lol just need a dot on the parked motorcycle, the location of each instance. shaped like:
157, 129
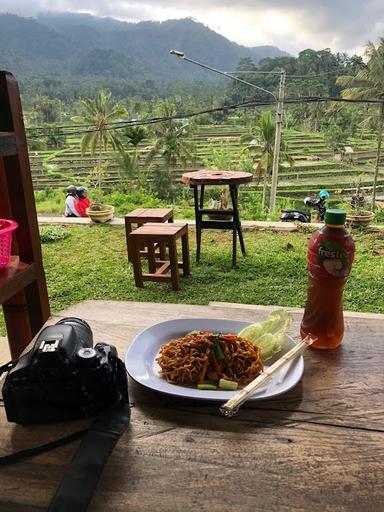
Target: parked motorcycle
291, 215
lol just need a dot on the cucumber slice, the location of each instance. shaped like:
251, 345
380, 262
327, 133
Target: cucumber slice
228, 385
212, 387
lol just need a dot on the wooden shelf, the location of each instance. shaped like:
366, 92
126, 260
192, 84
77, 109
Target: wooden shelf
8, 145
23, 290
15, 277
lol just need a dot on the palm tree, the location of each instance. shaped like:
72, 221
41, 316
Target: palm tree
170, 138
260, 146
170, 142
369, 84
98, 114
127, 158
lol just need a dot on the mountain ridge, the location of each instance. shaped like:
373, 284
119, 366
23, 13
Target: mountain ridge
83, 45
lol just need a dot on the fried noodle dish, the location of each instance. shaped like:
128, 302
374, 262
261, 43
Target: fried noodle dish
201, 356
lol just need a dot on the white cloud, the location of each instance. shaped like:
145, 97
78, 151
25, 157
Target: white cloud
343, 25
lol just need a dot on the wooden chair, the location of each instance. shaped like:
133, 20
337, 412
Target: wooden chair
142, 216
160, 269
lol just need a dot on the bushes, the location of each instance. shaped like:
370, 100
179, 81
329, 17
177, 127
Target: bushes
124, 203
49, 234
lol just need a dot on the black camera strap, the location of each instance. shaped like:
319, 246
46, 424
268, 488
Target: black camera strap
80, 480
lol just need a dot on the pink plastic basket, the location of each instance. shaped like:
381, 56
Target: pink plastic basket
7, 227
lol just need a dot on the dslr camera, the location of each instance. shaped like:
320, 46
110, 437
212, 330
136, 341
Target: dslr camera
64, 377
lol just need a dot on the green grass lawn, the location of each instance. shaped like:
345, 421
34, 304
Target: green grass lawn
91, 263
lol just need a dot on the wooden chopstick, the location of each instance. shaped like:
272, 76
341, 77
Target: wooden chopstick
231, 407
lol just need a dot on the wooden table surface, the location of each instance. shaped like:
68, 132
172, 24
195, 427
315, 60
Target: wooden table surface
206, 177
319, 447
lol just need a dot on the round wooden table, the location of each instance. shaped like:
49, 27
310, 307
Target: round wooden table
198, 180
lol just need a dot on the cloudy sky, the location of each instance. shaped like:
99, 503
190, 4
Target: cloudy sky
292, 25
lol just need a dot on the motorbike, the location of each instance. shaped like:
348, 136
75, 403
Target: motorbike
318, 203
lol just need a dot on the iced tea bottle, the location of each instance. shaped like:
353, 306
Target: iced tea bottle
330, 256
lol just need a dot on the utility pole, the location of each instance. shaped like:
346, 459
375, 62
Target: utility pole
279, 115
276, 151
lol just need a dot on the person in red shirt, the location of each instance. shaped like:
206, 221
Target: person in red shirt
82, 202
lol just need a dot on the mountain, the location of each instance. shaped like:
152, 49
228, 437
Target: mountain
81, 45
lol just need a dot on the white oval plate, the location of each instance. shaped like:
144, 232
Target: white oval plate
141, 365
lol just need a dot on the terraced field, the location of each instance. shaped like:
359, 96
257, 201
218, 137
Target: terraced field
315, 166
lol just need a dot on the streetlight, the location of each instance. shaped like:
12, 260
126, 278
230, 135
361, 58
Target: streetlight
279, 113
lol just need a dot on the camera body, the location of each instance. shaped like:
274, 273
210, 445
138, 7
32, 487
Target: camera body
64, 377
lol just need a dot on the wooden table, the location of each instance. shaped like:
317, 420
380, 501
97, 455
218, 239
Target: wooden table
319, 447
142, 216
198, 180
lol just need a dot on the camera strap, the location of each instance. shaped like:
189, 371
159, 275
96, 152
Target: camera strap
80, 480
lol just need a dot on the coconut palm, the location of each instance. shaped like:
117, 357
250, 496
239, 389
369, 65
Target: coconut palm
133, 135
128, 157
170, 138
369, 84
171, 144
98, 114
260, 146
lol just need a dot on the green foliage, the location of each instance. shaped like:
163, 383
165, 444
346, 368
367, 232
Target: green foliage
125, 203
260, 148
219, 158
36, 144
100, 62
172, 144
133, 135
269, 274
128, 156
163, 185
368, 83
98, 114
67, 56
49, 234
55, 137
336, 139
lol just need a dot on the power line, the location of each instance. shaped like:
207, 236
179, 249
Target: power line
256, 103
325, 73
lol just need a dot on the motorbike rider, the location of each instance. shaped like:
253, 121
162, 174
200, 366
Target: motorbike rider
319, 203
302, 216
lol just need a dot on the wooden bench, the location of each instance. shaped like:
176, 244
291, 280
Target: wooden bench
142, 216
160, 269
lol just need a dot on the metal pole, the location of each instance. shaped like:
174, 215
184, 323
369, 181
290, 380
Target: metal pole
181, 55
276, 151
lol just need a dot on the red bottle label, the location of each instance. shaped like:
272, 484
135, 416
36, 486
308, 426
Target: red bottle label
333, 258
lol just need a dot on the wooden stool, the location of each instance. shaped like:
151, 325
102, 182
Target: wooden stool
166, 235
141, 216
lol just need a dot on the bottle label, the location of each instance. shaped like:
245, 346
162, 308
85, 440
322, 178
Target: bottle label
333, 258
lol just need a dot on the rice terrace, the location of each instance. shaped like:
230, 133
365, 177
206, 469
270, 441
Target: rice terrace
192, 256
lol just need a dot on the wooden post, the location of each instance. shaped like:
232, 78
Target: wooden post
276, 151
378, 154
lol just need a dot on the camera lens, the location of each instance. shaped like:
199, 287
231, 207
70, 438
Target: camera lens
83, 331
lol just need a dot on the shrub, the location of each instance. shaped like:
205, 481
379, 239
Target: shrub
50, 234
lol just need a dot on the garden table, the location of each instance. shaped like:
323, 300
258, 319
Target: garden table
198, 180
319, 447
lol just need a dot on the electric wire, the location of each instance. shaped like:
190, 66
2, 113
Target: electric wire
74, 129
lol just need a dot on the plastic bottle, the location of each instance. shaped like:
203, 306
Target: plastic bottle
331, 251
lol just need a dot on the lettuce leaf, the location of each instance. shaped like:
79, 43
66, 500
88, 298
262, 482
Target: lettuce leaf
269, 334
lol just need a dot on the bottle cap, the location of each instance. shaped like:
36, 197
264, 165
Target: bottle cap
335, 217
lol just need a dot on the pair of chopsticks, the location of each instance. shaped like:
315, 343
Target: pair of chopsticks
231, 407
